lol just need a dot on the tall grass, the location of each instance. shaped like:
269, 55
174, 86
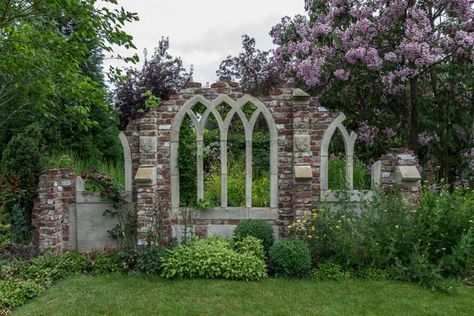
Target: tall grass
80, 165
337, 174
236, 187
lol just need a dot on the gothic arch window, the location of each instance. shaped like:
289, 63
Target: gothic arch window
199, 121
349, 142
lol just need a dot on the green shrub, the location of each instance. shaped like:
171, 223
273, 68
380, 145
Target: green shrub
12, 268
49, 268
250, 245
149, 260
330, 271
15, 292
290, 258
429, 245
256, 228
210, 259
372, 273
21, 165
106, 262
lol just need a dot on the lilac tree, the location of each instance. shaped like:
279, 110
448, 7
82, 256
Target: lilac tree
405, 62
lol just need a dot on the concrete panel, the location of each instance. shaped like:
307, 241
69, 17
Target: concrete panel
92, 226
225, 231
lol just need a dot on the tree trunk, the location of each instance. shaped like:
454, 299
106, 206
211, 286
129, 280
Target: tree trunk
414, 122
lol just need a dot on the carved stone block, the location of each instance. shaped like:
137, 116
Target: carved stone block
148, 144
302, 143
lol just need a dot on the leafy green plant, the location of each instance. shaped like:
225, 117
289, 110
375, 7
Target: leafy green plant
330, 271
429, 245
149, 260
49, 268
290, 258
372, 273
106, 262
212, 258
250, 245
15, 292
256, 228
21, 165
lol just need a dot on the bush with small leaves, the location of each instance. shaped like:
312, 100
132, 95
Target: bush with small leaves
212, 258
16, 292
256, 228
250, 245
107, 262
149, 260
48, 268
330, 271
290, 258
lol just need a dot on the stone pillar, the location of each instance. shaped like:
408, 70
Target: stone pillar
302, 154
401, 170
50, 217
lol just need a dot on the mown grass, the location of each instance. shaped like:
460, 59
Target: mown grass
141, 295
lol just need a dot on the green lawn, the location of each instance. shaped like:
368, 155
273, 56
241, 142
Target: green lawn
139, 295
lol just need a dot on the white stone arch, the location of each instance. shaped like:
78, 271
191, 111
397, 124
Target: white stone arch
127, 156
211, 107
349, 142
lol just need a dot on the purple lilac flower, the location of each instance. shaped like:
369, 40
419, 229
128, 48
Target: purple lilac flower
341, 74
366, 133
389, 132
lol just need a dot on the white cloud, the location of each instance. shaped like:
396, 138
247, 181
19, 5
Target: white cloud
203, 32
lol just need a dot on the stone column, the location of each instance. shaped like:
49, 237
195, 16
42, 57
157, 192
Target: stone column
302, 154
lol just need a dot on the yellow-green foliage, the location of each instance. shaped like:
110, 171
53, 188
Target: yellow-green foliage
212, 258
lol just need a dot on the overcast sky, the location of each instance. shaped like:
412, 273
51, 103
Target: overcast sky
203, 32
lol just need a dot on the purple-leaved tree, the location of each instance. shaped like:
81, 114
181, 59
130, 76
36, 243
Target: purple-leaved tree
253, 68
161, 75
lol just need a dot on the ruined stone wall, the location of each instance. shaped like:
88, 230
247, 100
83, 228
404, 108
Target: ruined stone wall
295, 115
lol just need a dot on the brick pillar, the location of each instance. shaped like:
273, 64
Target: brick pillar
145, 178
51, 226
302, 154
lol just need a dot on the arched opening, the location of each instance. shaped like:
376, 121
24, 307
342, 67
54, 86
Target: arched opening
187, 163
236, 163
260, 163
212, 163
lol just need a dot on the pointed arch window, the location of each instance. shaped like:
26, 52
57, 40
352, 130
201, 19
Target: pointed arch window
224, 109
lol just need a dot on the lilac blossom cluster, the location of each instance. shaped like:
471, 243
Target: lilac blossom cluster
366, 133
471, 159
309, 47
424, 140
